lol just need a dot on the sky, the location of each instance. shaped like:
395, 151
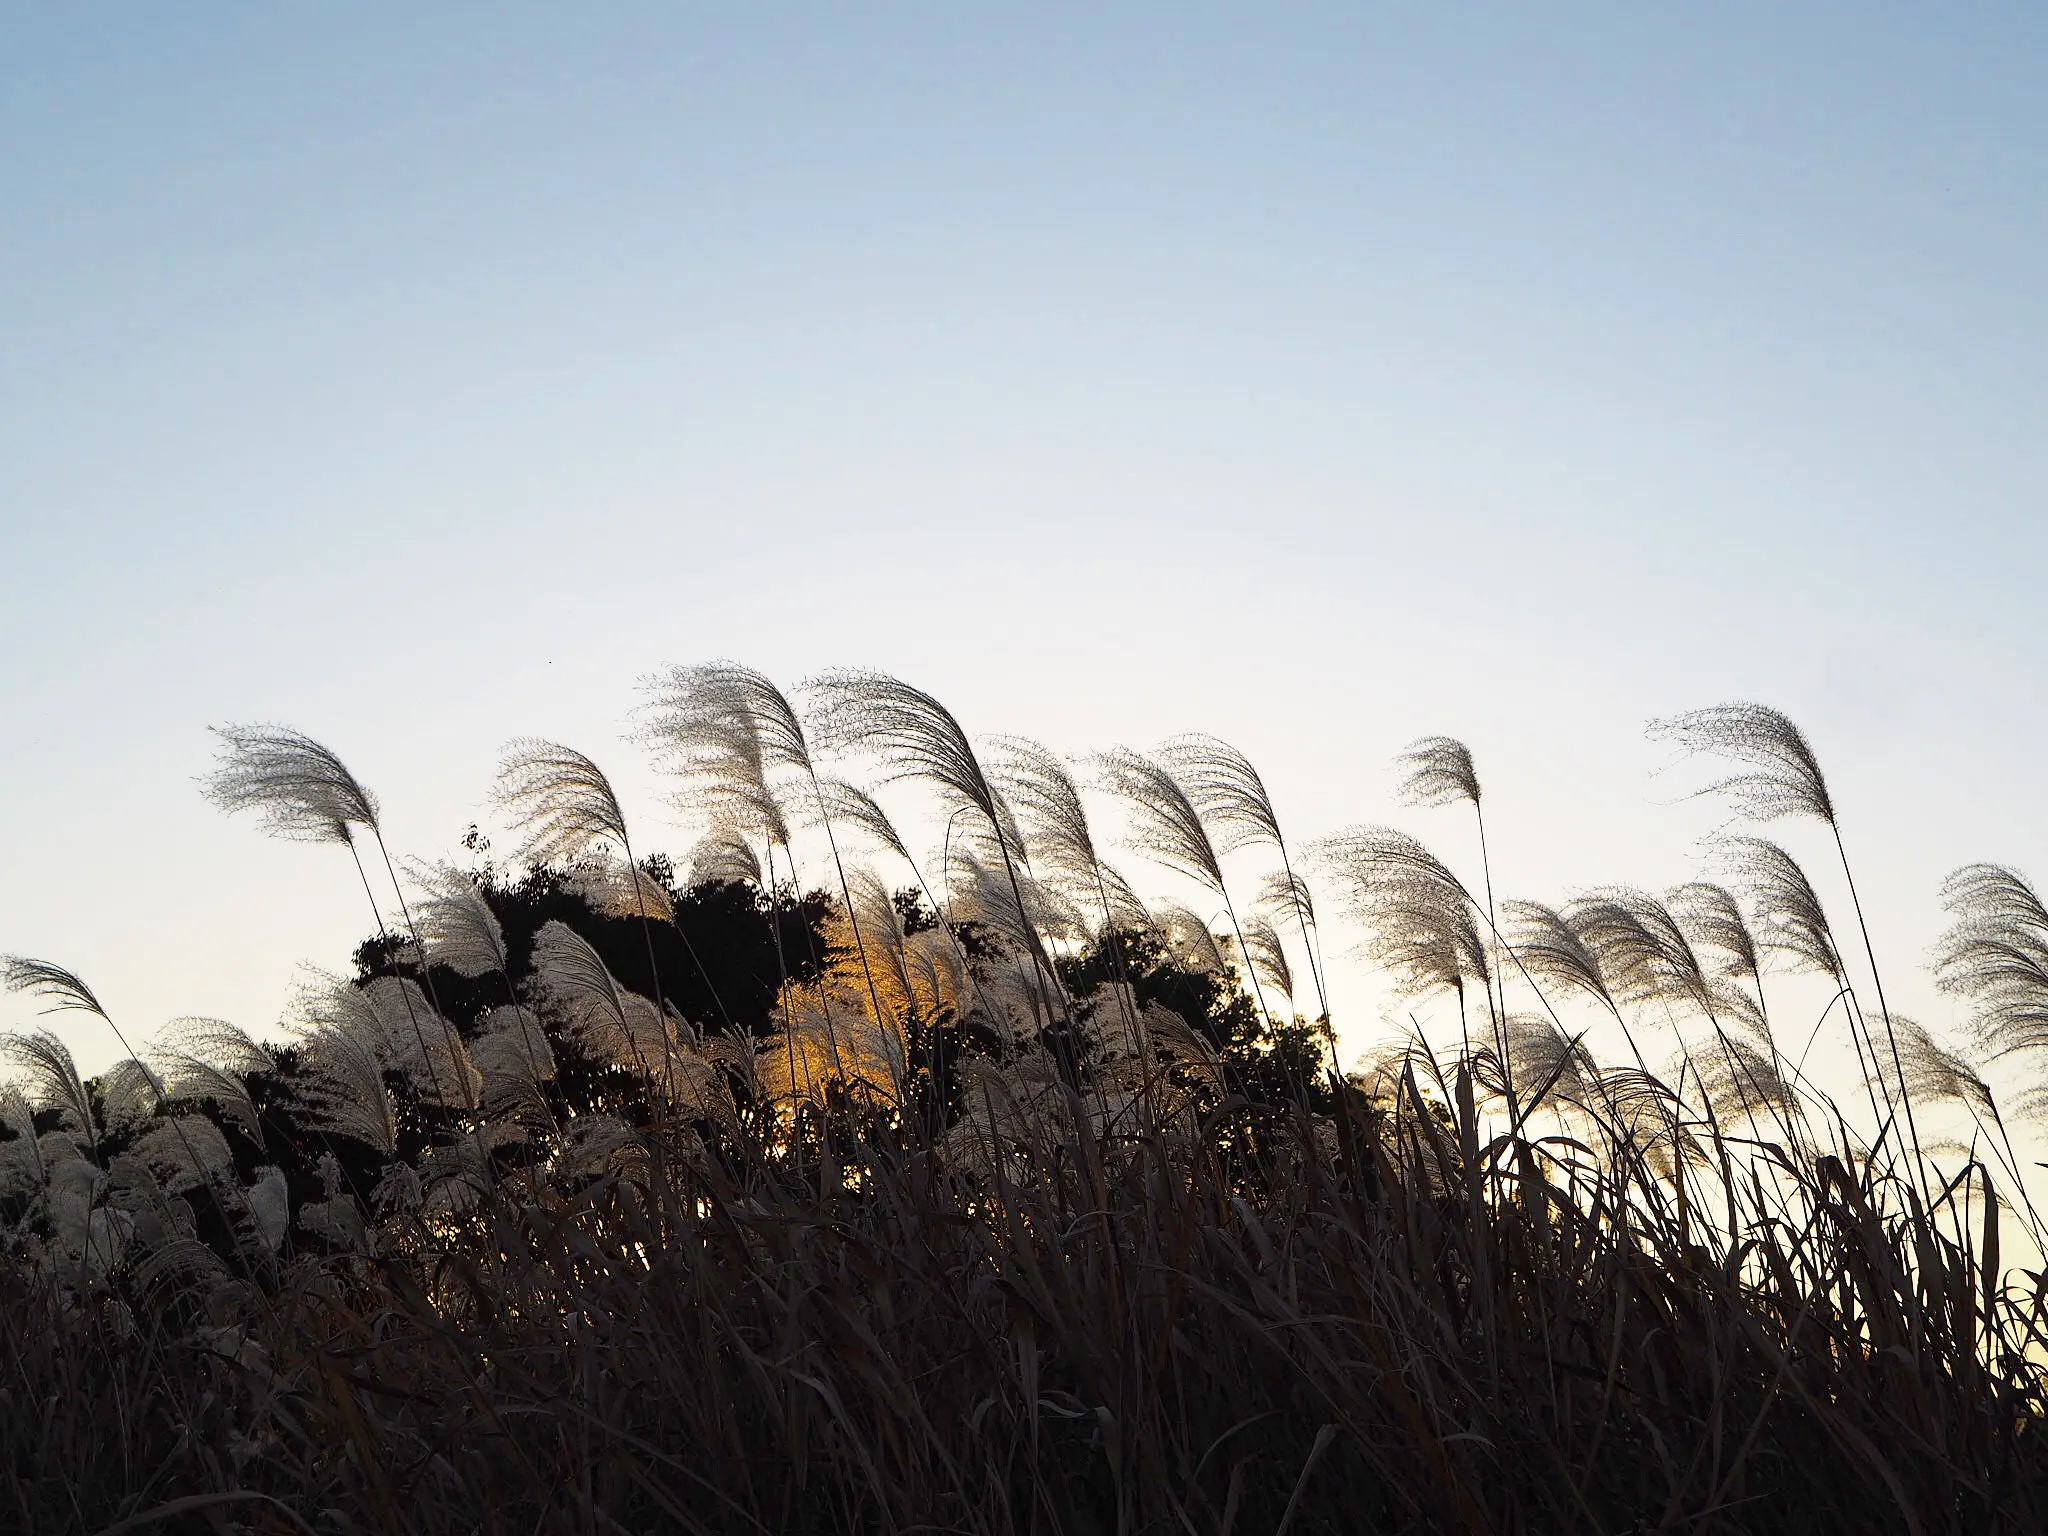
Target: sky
1322, 377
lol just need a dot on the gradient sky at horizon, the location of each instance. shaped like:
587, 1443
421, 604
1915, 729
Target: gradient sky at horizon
1319, 376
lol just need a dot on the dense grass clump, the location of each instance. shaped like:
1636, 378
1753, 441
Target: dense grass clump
983, 1196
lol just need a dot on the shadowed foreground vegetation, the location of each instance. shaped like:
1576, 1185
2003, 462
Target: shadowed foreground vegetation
789, 1195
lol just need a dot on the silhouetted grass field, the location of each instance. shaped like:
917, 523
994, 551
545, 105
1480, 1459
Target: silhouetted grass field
902, 1170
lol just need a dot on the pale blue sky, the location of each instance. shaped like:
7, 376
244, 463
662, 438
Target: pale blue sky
1318, 376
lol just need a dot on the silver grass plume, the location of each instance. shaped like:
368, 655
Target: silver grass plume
1438, 771
1543, 1061
130, 1093
1058, 835
1284, 894
1225, 788
569, 810
1711, 918
1934, 1072
940, 982
456, 926
1642, 951
729, 728
62, 990
829, 1042
393, 1020
1013, 907
1188, 938
512, 1053
270, 1209
1790, 919
1231, 794
724, 855
186, 1152
1785, 778
299, 788
1037, 782
1267, 957
618, 1026
912, 735
211, 1059
1995, 954
52, 1077
344, 1090
1419, 919
909, 732
1551, 949
560, 800
614, 888
888, 944
1743, 1078
850, 805
1168, 826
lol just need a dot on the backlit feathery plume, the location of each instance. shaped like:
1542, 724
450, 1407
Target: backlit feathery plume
1051, 824
1012, 1003
1037, 782
1741, 1078
1995, 953
910, 733
1544, 1062
1167, 825
1789, 917
1785, 777
1230, 795
1550, 949
1711, 918
299, 788
456, 926
728, 728
1012, 907
1934, 1072
211, 1059
560, 800
828, 1042
1642, 952
186, 1152
724, 854
1651, 1117
342, 1085
62, 990
393, 1020
1268, 957
614, 888
1419, 919
1283, 894
850, 805
614, 1024
1437, 770
51, 1076
512, 1053
1381, 1067
881, 930
1188, 938
940, 983
688, 701
130, 1093
1225, 788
